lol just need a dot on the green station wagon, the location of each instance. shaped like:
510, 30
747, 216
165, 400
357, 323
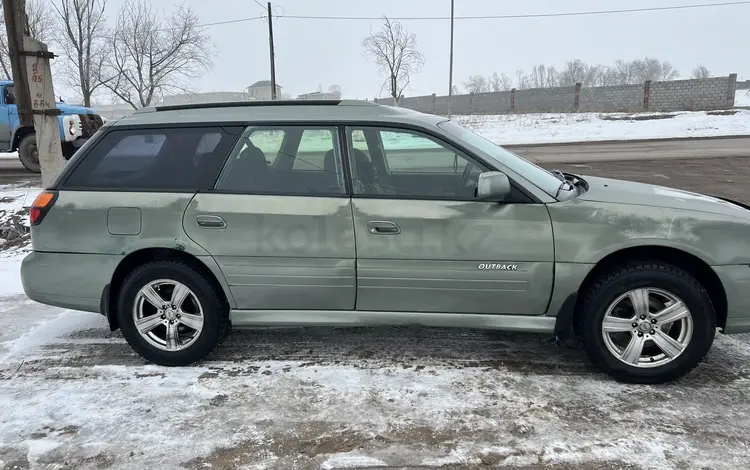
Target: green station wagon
179, 223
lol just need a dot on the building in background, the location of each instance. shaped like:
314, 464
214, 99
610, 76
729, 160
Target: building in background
261, 90
321, 95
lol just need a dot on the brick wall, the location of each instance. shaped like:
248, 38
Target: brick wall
676, 95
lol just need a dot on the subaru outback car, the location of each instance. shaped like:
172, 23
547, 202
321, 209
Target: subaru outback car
179, 223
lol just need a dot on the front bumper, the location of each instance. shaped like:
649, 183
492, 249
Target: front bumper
736, 281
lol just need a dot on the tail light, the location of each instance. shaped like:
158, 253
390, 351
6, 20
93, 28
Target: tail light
42, 204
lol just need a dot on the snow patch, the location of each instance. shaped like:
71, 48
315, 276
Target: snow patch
520, 129
349, 460
10, 273
46, 331
742, 98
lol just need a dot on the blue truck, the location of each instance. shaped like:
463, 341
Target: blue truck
77, 124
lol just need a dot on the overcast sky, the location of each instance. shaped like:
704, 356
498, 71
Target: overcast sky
311, 52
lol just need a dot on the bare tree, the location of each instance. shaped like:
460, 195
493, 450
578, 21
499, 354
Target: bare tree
543, 77
500, 82
522, 80
335, 88
701, 71
394, 49
149, 56
40, 25
654, 70
477, 84
82, 33
455, 90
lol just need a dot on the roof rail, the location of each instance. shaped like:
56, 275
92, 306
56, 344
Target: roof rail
239, 104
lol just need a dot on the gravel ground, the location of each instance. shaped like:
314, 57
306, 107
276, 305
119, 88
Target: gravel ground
74, 396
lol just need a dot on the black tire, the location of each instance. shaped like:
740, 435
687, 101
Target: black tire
605, 290
216, 325
27, 151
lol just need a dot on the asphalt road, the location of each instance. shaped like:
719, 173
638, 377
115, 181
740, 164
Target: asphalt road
635, 150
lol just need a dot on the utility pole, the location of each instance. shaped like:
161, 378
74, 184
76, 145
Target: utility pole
273, 64
450, 73
15, 25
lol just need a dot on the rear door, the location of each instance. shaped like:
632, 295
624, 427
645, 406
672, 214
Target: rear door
425, 244
279, 221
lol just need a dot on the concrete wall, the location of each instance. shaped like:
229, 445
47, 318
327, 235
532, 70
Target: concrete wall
612, 98
743, 85
676, 95
692, 95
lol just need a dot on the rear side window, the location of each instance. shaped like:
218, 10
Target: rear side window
178, 159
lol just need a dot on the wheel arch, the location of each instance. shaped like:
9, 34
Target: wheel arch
691, 263
146, 255
19, 134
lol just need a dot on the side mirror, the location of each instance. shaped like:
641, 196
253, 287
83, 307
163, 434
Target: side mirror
493, 186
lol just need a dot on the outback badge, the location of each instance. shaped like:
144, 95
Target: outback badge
497, 267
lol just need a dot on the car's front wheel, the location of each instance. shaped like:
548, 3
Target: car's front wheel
647, 322
171, 314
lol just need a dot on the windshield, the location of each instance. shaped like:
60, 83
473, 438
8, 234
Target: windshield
542, 178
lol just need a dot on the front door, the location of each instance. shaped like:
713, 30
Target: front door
279, 221
424, 244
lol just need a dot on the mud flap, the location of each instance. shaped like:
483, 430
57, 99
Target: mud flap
564, 319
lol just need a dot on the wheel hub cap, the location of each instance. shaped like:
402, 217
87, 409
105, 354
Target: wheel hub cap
168, 315
647, 327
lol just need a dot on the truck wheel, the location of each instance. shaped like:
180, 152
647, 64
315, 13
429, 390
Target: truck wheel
29, 154
647, 322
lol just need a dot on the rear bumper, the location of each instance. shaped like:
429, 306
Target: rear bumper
68, 280
736, 281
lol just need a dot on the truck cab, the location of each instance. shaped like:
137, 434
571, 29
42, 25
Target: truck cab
77, 124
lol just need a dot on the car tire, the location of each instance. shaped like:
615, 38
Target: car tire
185, 345
663, 291
28, 153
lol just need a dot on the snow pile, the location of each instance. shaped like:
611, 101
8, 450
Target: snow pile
518, 129
742, 98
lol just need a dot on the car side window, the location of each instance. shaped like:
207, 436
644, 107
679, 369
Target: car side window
269, 141
307, 161
409, 164
177, 159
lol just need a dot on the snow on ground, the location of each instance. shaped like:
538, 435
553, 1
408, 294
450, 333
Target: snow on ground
742, 98
73, 395
516, 129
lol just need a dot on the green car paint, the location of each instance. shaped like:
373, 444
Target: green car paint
335, 260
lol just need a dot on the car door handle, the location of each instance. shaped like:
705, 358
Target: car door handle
210, 221
381, 227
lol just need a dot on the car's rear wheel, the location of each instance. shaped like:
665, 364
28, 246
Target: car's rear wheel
171, 314
647, 322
